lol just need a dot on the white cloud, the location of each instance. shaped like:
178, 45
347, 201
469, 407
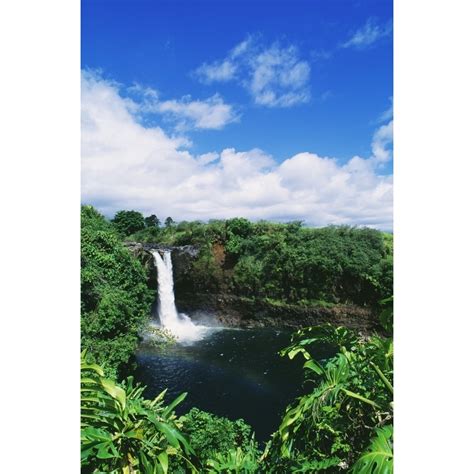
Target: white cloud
212, 113
368, 35
275, 76
186, 113
279, 78
128, 166
147, 93
216, 72
381, 142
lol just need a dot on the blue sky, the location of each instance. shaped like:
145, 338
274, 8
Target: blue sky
270, 80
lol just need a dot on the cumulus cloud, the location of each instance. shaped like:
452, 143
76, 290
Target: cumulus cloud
368, 34
212, 113
275, 75
126, 165
185, 113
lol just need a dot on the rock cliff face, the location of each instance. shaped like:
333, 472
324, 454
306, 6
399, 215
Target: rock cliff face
234, 311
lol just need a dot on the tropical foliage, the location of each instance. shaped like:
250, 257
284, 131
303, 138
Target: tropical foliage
348, 402
379, 456
115, 300
121, 432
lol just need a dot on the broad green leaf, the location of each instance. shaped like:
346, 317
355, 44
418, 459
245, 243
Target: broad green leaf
114, 391
106, 451
163, 458
169, 433
173, 404
378, 459
96, 434
314, 366
96, 368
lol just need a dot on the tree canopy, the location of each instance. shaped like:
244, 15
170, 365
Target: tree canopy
128, 222
152, 221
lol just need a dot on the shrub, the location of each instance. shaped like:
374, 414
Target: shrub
210, 434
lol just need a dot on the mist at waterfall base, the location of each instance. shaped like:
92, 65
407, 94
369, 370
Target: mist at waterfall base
236, 373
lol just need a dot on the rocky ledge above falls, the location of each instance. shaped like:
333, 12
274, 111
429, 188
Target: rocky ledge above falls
136, 247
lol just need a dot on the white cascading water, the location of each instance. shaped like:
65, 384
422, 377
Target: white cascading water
179, 324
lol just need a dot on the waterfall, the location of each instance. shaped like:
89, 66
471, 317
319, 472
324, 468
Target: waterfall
179, 324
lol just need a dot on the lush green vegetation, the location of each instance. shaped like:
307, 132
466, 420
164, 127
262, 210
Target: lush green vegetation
121, 432
343, 420
210, 434
115, 300
349, 403
284, 262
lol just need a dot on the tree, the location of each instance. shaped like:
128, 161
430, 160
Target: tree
128, 222
239, 226
169, 222
294, 226
152, 221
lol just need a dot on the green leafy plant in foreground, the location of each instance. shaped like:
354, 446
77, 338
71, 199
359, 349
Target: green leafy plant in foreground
350, 402
123, 433
379, 457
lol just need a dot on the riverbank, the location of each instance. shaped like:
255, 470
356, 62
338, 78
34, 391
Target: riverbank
233, 311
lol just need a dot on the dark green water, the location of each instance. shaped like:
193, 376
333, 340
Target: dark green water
232, 373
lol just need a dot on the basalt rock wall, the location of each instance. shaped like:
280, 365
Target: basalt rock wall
234, 311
